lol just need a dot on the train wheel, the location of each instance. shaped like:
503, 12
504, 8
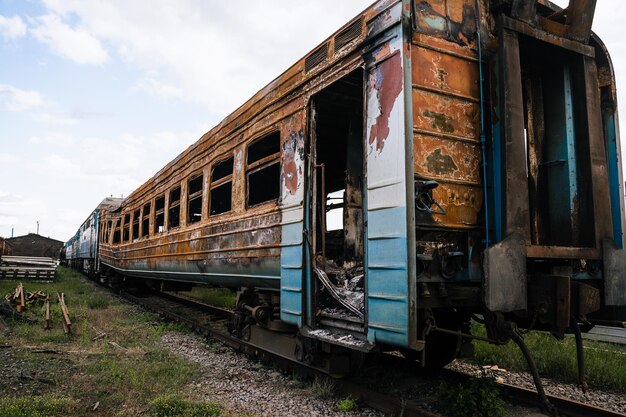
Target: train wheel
440, 348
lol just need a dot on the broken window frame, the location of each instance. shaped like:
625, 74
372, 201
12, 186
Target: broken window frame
145, 220
194, 197
222, 181
117, 234
159, 202
135, 228
264, 162
173, 207
107, 231
126, 228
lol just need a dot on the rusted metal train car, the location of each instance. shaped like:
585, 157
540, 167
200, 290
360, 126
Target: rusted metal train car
430, 161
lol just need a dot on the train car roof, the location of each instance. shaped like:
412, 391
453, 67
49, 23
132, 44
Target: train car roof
276, 89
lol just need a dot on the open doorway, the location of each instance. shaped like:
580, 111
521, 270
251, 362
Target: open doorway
337, 201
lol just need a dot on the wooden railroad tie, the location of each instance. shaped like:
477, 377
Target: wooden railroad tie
19, 298
67, 324
47, 322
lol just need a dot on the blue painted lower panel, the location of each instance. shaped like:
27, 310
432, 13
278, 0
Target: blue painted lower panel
387, 277
291, 276
614, 178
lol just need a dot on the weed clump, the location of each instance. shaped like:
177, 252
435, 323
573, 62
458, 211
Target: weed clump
478, 397
177, 406
37, 406
347, 404
323, 387
98, 301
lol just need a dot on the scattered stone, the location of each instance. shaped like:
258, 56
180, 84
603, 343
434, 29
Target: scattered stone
605, 399
244, 387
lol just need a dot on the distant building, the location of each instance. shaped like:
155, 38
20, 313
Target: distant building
5, 247
33, 244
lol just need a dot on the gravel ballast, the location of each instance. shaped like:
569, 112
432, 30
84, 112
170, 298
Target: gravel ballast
245, 386
605, 399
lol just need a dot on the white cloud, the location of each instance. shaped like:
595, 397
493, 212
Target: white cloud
157, 88
12, 27
55, 119
8, 158
14, 208
206, 52
76, 44
15, 99
55, 139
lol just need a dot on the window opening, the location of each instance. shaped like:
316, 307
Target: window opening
145, 223
263, 169
126, 228
107, 235
116, 232
159, 214
174, 208
136, 224
221, 187
194, 205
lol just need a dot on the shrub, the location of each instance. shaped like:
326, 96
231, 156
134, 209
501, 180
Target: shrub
477, 397
347, 404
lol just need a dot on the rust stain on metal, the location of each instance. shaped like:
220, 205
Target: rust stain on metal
437, 113
439, 121
387, 81
447, 159
458, 24
447, 73
439, 163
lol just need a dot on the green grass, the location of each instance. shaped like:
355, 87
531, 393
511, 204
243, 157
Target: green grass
347, 404
177, 406
606, 363
323, 387
37, 406
477, 397
219, 297
98, 301
125, 371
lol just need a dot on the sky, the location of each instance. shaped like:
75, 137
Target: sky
96, 97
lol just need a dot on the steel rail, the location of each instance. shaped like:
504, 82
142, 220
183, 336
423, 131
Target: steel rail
371, 398
565, 406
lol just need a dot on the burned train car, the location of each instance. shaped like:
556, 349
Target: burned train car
431, 161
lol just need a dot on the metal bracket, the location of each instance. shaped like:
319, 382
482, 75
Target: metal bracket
614, 274
505, 275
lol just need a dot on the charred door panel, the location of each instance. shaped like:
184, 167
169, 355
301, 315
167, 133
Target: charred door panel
386, 250
446, 111
292, 193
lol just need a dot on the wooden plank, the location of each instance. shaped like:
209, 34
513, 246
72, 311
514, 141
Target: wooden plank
597, 154
47, 321
516, 183
548, 37
67, 324
579, 19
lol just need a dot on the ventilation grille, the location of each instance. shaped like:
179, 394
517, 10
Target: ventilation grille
348, 34
316, 57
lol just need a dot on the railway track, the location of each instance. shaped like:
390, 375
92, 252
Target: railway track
213, 322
